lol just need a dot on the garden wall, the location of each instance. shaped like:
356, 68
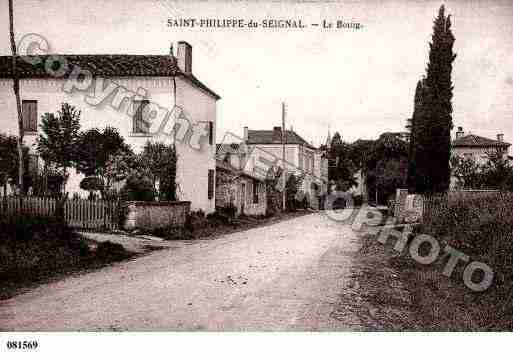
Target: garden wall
151, 215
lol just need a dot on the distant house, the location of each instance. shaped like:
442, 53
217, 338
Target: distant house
143, 85
263, 149
478, 148
235, 187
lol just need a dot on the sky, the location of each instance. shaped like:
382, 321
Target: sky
360, 83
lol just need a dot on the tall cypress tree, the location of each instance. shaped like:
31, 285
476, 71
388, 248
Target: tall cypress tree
433, 118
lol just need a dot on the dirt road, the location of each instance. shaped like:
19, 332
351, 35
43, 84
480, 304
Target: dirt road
286, 276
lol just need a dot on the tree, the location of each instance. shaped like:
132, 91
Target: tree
93, 149
466, 172
273, 194
432, 120
386, 166
497, 173
119, 167
359, 153
292, 188
159, 161
56, 144
342, 168
16, 89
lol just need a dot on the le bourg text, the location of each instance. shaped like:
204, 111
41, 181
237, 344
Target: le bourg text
233, 23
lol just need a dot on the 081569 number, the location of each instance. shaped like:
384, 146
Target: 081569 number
22, 345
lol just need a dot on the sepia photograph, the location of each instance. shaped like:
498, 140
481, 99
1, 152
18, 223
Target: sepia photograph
254, 166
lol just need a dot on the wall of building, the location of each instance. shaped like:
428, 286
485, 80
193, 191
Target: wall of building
229, 192
193, 164
300, 160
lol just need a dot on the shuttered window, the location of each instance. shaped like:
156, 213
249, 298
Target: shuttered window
210, 184
255, 191
211, 133
29, 112
140, 125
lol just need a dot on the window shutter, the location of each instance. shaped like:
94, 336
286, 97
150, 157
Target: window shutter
33, 117
139, 125
211, 133
255, 191
210, 184
29, 113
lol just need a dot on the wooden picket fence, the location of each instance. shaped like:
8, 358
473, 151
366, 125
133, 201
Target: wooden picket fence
78, 213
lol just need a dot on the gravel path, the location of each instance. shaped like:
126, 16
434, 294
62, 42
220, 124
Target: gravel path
286, 276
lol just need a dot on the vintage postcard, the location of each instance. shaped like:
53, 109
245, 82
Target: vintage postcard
235, 166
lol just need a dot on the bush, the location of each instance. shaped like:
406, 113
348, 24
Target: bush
91, 183
228, 211
482, 228
138, 188
219, 217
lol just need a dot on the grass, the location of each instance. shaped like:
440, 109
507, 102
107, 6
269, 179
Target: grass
405, 295
35, 250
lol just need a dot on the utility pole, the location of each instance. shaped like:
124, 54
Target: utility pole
16, 89
283, 140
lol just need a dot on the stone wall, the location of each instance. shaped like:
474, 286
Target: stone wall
151, 215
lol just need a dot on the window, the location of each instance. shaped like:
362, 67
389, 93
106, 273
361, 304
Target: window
210, 133
140, 125
255, 191
29, 112
210, 184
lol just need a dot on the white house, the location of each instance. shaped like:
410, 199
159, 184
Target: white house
261, 149
143, 96
478, 148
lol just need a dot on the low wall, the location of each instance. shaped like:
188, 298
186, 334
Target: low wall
151, 215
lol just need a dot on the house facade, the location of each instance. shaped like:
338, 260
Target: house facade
239, 189
478, 148
146, 97
263, 149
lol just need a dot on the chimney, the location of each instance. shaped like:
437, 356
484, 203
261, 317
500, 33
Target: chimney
460, 132
277, 134
184, 57
246, 136
500, 137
